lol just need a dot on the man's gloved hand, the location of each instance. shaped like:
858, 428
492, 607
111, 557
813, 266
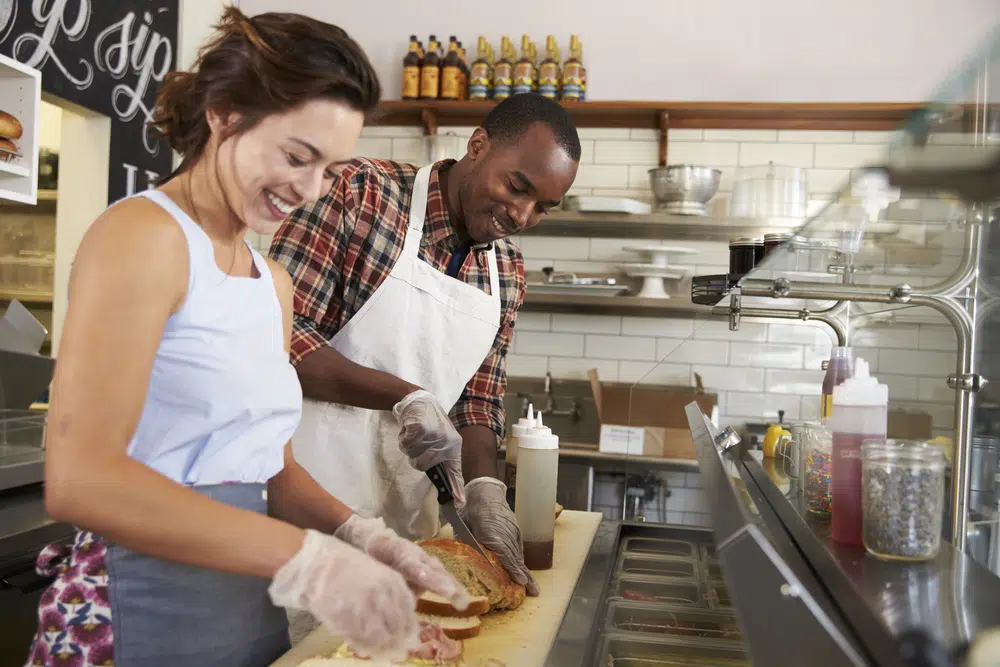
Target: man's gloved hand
422, 571
368, 603
488, 516
427, 437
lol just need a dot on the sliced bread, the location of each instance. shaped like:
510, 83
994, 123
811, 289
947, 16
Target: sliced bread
435, 605
455, 628
475, 572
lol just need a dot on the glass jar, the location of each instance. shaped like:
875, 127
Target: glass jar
816, 452
902, 499
743, 255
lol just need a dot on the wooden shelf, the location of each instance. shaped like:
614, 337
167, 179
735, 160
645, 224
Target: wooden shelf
655, 226
25, 296
614, 305
682, 115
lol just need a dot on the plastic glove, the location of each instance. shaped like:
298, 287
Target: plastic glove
427, 437
353, 594
494, 525
421, 570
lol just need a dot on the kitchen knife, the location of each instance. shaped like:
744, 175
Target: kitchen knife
447, 502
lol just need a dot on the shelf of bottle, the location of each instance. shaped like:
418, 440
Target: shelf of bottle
658, 115
633, 306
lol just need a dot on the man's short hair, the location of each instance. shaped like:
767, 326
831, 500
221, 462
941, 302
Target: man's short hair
510, 119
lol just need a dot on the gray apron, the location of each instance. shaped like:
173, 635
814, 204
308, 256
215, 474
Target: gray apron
170, 615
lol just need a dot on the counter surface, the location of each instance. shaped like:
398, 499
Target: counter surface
518, 638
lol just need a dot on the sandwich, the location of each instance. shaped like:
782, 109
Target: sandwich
10, 130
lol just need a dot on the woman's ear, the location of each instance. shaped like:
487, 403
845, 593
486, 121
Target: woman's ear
219, 120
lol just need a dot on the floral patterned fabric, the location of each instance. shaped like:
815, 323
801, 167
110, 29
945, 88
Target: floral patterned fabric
74, 613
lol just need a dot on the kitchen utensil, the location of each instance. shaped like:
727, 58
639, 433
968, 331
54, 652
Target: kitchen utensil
653, 277
447, 502
587, 204
683, 189
769, 191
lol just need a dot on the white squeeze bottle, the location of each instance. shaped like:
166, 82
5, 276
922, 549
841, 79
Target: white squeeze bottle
860, 412
513, 440
535, 503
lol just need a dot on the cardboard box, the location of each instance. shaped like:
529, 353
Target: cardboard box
647, 419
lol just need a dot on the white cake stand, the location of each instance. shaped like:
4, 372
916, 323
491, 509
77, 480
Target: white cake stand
659, 255
653, 276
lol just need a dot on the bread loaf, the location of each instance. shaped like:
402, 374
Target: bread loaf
435, 605
10, 127
471, 569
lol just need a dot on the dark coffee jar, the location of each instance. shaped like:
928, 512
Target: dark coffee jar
743, 255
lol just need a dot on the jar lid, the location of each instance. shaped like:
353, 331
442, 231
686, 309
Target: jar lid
776, 237
745, 241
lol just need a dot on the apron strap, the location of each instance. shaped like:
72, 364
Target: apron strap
494, 273
418, 212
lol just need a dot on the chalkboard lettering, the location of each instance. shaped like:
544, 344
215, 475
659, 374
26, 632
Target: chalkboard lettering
109, 57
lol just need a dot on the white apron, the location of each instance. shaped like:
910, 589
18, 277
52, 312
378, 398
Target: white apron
420, 325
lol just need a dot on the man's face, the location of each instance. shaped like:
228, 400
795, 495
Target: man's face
511, 186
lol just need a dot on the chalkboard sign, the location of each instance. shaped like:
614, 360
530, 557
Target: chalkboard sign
109, 56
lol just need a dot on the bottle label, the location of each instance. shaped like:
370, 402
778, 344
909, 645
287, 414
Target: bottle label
478, 91
548, 80
451, 82
523, 78
429, 82
522, 88
501, 91
411, 81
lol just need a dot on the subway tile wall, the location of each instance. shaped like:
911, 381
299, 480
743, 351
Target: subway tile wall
761, 369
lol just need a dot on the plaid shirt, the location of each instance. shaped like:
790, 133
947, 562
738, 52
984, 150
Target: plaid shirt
339, 251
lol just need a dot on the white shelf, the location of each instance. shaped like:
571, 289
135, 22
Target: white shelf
21, 96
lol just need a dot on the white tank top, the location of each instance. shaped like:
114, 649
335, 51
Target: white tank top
223, 397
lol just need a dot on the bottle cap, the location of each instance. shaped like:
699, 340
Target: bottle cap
862, 389
538, 437
524, 423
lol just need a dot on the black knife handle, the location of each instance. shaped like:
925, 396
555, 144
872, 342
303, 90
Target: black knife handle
440, 481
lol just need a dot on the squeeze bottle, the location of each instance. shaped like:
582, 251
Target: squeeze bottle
535, 506
513, 440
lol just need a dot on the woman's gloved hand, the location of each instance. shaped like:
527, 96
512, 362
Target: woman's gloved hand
422, 571
356, 596
427, 437
494, 525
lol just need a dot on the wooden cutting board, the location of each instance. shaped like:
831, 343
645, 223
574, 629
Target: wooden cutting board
518, 638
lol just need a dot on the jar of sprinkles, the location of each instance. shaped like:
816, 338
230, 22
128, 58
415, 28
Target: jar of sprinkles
816, 453
902, 499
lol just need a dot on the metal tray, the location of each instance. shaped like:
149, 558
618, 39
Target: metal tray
661, 591
718, 595
646, 565
673, 621
659, 547
629, 651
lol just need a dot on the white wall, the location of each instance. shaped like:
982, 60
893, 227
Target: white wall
761, 50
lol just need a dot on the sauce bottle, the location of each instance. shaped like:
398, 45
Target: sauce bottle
524, 70
838, 370
513, 440
464, 59
533, 54
411, 71
503, 73
451, 72
572, 73
860, 412
535, 506
583, 72
430, 71
548, 71
479, 73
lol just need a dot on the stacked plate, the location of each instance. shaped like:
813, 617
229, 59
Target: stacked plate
656, 268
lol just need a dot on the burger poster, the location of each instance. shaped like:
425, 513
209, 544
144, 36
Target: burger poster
108, 56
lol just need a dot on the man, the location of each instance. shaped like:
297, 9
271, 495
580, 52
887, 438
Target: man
407, 289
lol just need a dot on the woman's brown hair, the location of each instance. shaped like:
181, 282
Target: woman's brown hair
256, 67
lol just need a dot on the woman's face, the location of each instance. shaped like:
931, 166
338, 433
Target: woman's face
286, 161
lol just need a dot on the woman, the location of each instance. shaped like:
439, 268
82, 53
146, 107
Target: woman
174, 400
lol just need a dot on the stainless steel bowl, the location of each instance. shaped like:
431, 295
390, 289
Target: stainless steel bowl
683, 189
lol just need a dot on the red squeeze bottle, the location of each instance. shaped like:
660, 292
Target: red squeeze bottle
860, 413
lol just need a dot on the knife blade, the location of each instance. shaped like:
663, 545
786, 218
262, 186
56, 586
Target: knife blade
447, 502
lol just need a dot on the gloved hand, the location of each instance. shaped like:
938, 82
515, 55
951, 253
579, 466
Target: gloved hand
427, 437
353, 594
421, 570
488, 516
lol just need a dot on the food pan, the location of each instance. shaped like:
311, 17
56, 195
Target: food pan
645, 565
718, 596
659, 547
664, 621
630, 651
661, 591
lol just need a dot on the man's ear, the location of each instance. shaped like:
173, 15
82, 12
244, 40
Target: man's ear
479, 144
